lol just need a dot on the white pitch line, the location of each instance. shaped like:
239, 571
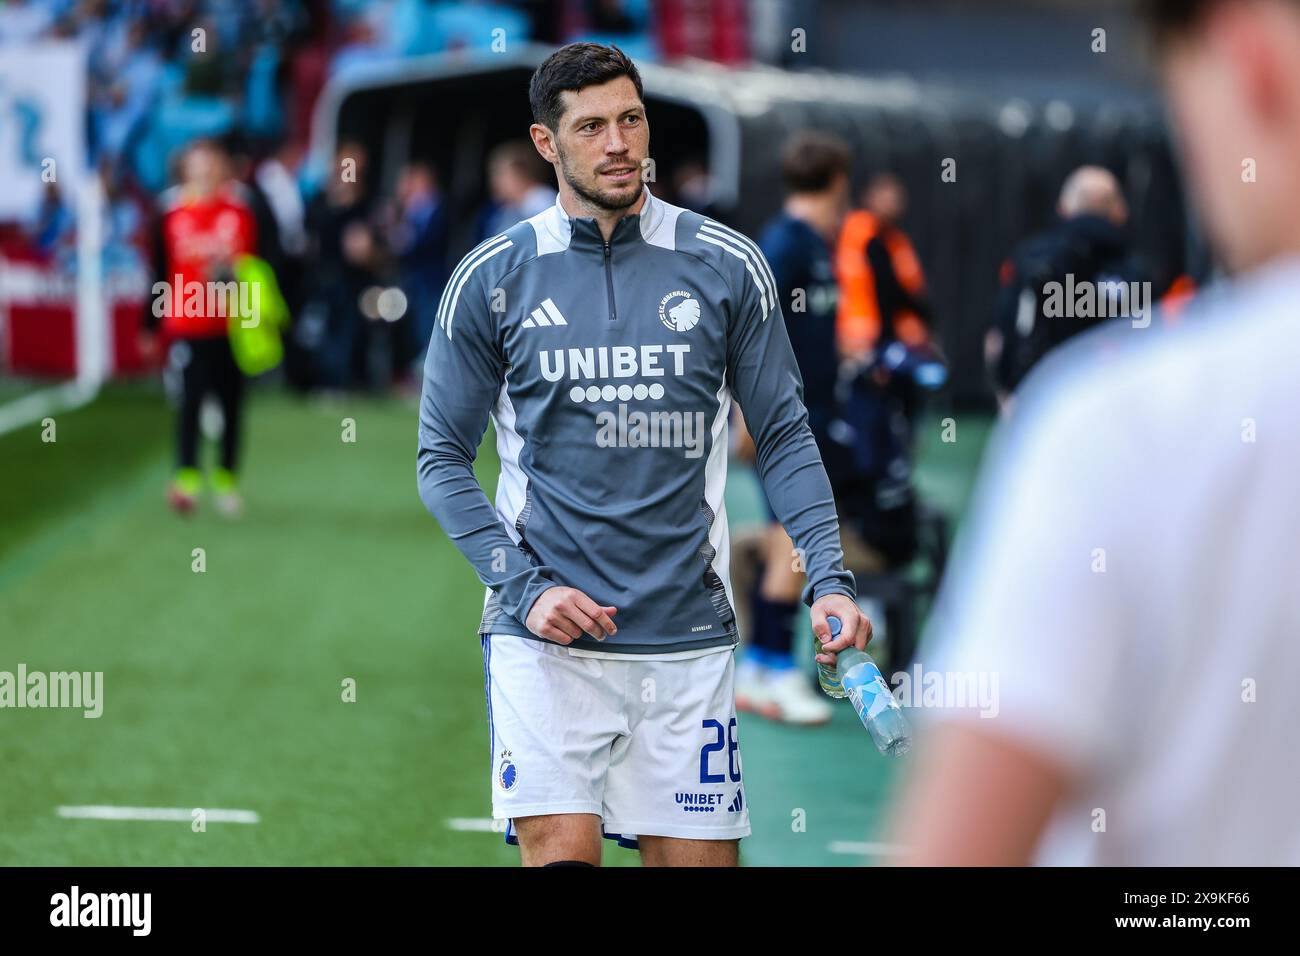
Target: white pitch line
26, 409
849, 848
476, 824
167, 814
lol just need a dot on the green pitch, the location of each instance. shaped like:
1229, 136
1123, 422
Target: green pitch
223, 688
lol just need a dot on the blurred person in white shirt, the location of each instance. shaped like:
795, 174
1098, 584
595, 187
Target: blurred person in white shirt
1131, 571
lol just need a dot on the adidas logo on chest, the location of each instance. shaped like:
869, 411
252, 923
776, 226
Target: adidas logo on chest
545, 315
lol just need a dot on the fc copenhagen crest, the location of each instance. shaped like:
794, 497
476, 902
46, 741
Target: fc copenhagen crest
679, 311
507, 772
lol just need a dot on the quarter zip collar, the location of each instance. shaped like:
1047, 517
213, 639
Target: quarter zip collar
584, 233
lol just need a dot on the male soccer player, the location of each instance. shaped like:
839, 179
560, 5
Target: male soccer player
606, 337
1130, 574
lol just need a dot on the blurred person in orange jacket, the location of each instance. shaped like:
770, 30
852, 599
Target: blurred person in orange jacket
882, 285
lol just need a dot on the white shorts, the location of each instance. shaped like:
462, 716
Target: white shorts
649, 746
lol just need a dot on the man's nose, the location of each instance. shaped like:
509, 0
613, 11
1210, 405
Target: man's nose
616, 143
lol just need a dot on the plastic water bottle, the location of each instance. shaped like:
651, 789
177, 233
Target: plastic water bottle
857, 677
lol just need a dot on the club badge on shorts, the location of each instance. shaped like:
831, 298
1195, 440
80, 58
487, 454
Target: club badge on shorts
507, 773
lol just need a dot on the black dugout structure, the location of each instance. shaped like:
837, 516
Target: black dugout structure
1005, 157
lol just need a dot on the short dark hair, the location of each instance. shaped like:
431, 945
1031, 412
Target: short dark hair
811, 160
575, 67
1167, 19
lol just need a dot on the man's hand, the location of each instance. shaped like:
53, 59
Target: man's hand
855, 626
564, 614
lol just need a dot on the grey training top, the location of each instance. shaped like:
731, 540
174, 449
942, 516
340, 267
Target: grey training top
608, 370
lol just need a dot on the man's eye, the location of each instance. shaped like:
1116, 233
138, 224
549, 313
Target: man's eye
591, 127
633, 120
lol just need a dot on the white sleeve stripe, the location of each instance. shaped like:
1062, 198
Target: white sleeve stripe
442, 301
757, 253
468, 262
464, 263
749, 244
743, 257
466, 270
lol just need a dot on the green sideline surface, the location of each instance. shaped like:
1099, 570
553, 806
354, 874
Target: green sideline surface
222, 689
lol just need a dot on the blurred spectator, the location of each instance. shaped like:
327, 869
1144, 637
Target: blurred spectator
882, 287
239, 152
126, 96
25, 21
345, 258
361, 45
260, 65
126, 240
276, 179
419, 27
609, 18
211, 71
53, 224
165, 73
519, 183
712, 31
418, 237
244, 165
693, 189
1087, 245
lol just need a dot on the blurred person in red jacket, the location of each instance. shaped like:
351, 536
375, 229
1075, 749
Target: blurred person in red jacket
204, 223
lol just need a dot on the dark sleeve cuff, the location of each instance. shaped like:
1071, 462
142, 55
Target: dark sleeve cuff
840, 582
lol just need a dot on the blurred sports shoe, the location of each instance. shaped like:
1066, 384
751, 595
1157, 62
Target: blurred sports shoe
183, 492
229, 503
792, 700
752, 694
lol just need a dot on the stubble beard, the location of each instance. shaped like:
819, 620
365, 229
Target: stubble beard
593, 195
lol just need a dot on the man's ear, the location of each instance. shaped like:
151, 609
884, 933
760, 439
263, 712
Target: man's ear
544, 141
